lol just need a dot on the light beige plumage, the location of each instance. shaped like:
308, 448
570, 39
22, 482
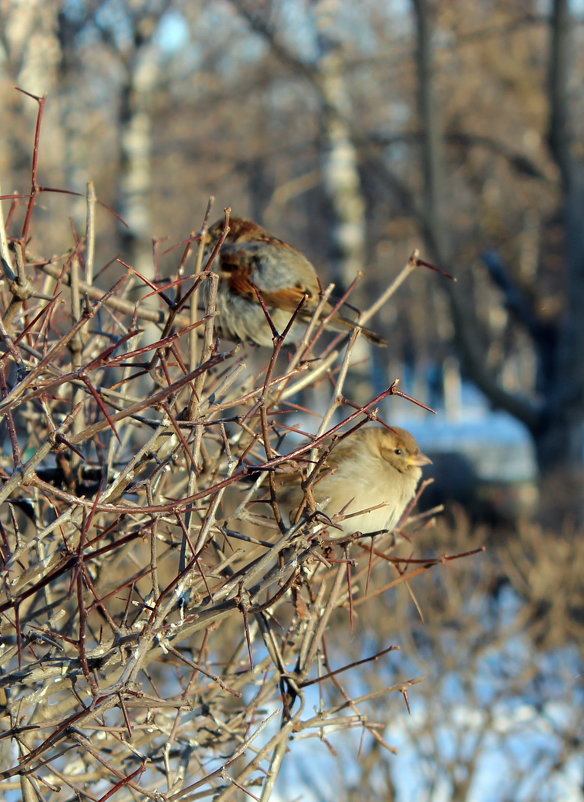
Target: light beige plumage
373, 466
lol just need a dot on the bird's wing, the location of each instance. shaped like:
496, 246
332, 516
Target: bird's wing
236, 269
287, 299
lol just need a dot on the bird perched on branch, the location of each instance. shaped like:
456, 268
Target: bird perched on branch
374, 467
256, 267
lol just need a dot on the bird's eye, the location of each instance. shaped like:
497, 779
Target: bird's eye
399, 452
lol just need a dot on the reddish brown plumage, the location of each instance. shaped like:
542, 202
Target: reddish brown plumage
252, 261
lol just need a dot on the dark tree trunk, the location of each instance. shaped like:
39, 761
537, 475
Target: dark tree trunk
555, 418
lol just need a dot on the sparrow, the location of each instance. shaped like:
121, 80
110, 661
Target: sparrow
373, 466
252, 262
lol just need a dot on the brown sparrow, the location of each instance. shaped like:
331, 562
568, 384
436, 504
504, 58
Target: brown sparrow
373, 466
252, 261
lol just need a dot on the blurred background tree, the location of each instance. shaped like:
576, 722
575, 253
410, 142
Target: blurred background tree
358, 131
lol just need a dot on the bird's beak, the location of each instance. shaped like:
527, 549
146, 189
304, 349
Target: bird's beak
419, 459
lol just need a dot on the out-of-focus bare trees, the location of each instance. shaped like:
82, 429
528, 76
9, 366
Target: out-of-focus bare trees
455, 122
553, 410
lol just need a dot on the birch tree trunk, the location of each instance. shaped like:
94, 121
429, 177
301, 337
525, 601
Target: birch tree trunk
340, 172
28, 36
136, 151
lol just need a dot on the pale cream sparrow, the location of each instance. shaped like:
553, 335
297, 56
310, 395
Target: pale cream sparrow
374, 467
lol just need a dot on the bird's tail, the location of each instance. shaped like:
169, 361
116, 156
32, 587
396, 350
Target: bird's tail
342, 324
